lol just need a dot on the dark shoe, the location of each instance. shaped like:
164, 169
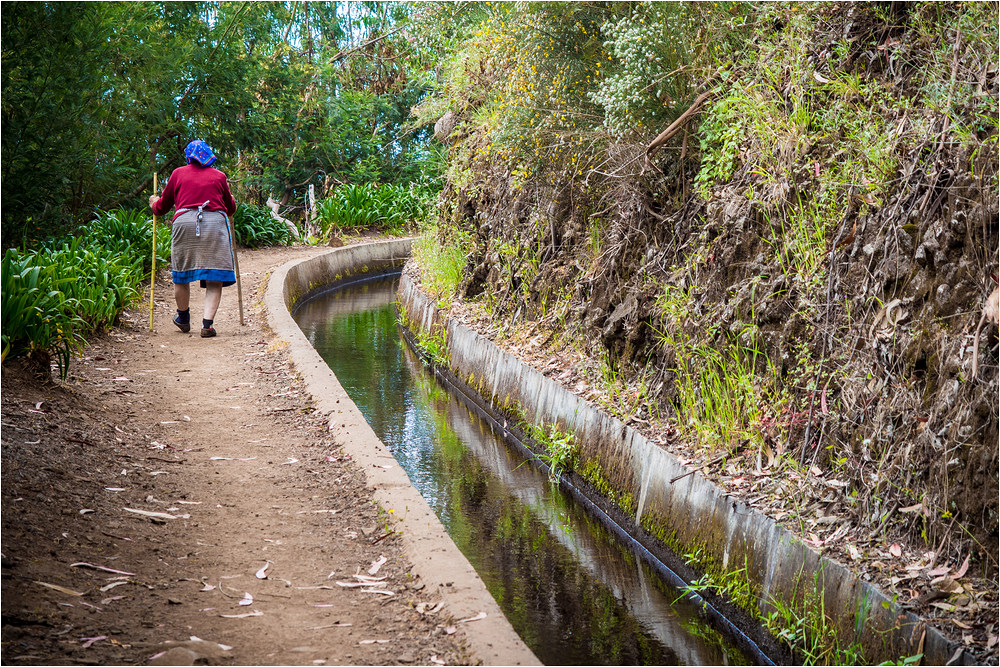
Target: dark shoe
208, 333
183, 326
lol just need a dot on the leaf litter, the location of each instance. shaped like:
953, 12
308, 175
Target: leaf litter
138, 531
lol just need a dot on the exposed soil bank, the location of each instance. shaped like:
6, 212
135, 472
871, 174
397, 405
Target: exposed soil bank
793, 288
435, 558
668, 505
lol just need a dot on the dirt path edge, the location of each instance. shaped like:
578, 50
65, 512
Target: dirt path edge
434, 555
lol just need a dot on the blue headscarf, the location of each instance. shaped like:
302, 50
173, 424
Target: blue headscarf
200, 152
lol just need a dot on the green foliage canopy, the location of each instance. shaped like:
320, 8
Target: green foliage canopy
98, 96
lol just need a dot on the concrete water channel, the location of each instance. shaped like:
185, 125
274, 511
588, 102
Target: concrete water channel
577, 585
573, 591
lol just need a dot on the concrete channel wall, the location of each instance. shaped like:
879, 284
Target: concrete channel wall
436, 560
692, 513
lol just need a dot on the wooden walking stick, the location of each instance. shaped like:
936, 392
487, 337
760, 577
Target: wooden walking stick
236, 265
152, 271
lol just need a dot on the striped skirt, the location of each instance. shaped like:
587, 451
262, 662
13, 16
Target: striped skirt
202, 250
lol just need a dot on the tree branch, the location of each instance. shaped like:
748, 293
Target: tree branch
343, 54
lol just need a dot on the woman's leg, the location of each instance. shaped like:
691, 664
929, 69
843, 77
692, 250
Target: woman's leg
182, 294
213, 295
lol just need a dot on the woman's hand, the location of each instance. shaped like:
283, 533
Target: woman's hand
152, 200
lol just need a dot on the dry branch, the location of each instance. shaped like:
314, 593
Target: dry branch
677, 125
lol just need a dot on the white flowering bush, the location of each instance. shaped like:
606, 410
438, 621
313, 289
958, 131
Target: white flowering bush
646, 74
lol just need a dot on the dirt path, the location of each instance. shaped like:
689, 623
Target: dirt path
219, 434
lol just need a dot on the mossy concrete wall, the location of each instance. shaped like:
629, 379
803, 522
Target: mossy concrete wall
691, 513
304, 278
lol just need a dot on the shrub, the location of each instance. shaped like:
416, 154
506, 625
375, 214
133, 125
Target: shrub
254, 227
54, 295
368, 206
103, 281
129, 232
37, 318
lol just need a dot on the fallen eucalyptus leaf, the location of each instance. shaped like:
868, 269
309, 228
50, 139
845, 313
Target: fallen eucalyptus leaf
377, 564
104, 569
157, 515
257, 612
964, 568
105, 589
205, 643
478, 617
360, 584
61, 589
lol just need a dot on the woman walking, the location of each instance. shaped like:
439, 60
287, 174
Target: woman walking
201, 247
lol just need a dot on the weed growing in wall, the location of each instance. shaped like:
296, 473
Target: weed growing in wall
809, 632
561, 451
441, 255
723, 394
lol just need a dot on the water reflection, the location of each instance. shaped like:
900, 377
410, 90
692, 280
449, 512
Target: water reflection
569, 588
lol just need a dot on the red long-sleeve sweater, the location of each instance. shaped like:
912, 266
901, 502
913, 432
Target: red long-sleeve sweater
191, 186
